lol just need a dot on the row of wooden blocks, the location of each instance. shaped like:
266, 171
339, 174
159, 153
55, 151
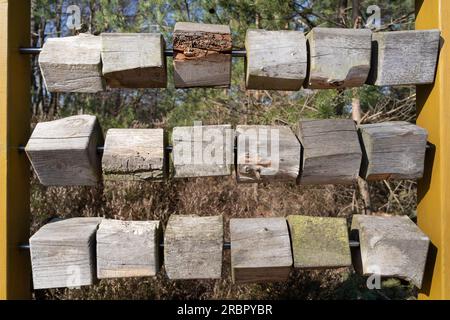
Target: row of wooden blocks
65, 152
275, 60
77, 251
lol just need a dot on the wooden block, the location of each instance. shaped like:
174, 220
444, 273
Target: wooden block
72, 64
339, 58
404, 57
64, 152
260, 250
319, 242
203, 151
193, 247
276, 60
63, 253
127, 248
267, 153
202, 55
392, 246
331, 151
393, 150
134, 154
134, 60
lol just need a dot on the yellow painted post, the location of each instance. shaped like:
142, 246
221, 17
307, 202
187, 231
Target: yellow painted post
15, 76
433, 113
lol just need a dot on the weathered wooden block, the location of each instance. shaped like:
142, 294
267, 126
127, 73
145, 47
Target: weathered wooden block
134, 154
404, 57
260, 250
276, 60
193, 247
392, 246
331, 151
267, 153
63, 253
203, 151
393, 150
72, 64
339, 58
319, 242
202, 55
64, 152
134, 60
127, 248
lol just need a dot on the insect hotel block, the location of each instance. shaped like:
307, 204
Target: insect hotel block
260, 250
319, 242
203, 151
339, 58
331, 151
134, 154
404, 57
391, 246
393, 150
267, 153
193, 247
276, 60
134, 60
72, 64
63, 253
64, 152
202, 55
127, 248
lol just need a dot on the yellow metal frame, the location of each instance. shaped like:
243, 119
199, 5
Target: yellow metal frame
433, 113
15, 89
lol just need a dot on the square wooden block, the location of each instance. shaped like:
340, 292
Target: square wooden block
276, 60
331, 151
193, 247
63, 253
134, 60
202, 55
404, 57
391, 246
134, 154
267, 153
203, 151
72, 64
127, 248
339, 58
260, 250
393, 150
319, 242
64, 152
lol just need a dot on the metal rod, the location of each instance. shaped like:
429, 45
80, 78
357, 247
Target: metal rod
226, 245
167, 52
100, 149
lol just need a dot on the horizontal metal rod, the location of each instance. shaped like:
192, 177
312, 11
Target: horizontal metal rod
167, 52
226, 245
100, 149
